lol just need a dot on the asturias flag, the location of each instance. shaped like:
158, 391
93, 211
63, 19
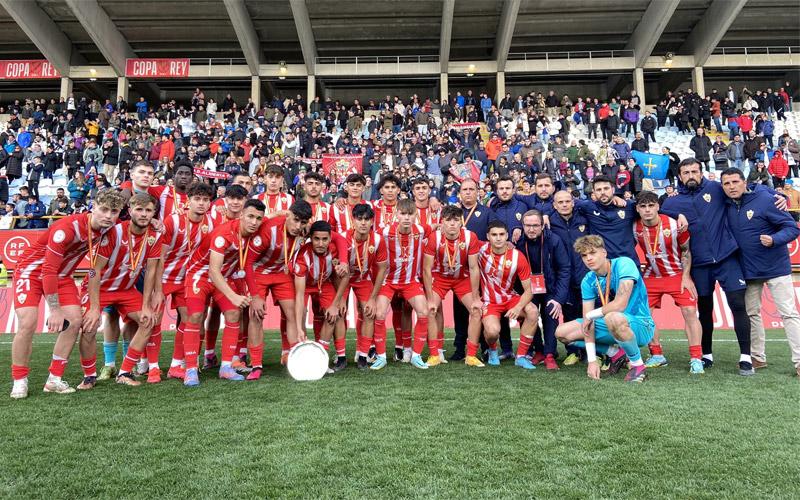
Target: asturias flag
654, 166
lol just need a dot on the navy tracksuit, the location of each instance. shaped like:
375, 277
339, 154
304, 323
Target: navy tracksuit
569, 231
613, 224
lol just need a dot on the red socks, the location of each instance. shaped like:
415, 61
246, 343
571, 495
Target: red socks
130, 360
191, 344
472, 348
340, 346
524, 345
380, 337
420, 335
695, 351
19, 372
230, 341
257, 355
655, 349
211, 339
177, 347
154, 345
58, 366
89, 366
363, 345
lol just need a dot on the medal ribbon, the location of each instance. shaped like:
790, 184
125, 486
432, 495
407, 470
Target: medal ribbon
360, 259
463, 220
243, 251
654, 246
92, 253
136, 258
604, 297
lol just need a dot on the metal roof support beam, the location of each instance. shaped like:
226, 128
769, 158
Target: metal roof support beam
245, 32
505, 32
302, 22
446, 34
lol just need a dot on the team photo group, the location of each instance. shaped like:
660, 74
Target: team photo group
562, 270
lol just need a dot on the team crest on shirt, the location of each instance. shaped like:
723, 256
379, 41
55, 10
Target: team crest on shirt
151, 240
667, 233
582, 228
104, 241
508, 264
519, 216
257, 241
462, 246
371, 249
204, 228
21, 297
749, 214
707, 197
195, 289
621, 214
478, 213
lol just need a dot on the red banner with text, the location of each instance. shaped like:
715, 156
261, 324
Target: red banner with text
22, 69
157, 68
341, 166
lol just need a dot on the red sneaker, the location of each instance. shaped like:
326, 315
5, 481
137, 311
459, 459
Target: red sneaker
177, 372
550, 362
538, 358
255, 374
154, 376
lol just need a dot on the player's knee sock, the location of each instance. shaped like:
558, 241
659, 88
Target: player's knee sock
130, 360
211, 341
125, 345
19, 372
241, 347
110, 353
741, 322
154, 347
407, 337
230, 340
177, 347
318, 320
705, 312
524, 345
89, 366
472, 348
284, 338
325, 344
379, 337
632, 350
191, 344
695, 351
257, 355
363, 345
420, 335
340, 346
359, 323
57, 366
655, 349
492, 345
440, 342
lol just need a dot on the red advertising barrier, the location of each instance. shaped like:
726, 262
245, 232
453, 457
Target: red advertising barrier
157, 68
27, 69
14, 242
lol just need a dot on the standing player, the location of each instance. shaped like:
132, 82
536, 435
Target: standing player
130, 248
217, 270
275, 200
314, 275
623, 317
500, 267
342, 210
171, 199
182, 235
404, 241
241, 179
46, 270
609, 221
428, 209
368, 263
451, 263
313, 186
667, 271
230, 207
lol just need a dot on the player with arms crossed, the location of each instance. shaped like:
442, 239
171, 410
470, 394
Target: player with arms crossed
46, 270
131, 247
500, 267
451, 264
667, 268
622, 319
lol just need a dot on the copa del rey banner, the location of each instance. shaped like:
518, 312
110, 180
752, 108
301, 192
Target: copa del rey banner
24, 69
341, 166
157, 68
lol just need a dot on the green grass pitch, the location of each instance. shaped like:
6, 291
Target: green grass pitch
448, 432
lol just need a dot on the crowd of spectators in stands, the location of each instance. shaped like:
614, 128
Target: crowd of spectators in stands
83, 146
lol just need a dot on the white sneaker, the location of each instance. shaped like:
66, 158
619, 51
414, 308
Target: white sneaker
20, 389
442, 358
142, 367
58, 387
406, 355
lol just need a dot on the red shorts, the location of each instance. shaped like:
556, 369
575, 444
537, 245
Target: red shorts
197, 296
324, 299
177, 292
407, 290
280, 284
443, 284
125, 301
28, 292
362, 290
668, 285
500, 309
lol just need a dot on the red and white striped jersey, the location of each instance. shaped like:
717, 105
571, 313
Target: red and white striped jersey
342, 219
273, 246
427, 216
384, 214
224, 240
179, 240
404, 252
661, 245
276, 202
219, 212
498, 273
166, 196
127, 255
60, 249
451, 258
320, 211
364, 255
317, 269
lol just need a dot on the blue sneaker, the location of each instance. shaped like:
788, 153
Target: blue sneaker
417, 362
379, 363
493, 358
696, 367
524, 362
191, 379
228, 373
655, 361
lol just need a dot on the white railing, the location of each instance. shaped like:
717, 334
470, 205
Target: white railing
214, 63
583, 56
373, 64
752, 55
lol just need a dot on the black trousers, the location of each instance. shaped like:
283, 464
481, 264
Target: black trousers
461, 320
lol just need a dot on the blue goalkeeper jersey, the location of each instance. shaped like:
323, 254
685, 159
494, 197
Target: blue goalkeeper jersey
622, 268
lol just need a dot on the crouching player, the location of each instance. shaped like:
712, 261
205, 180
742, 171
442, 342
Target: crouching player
667, 268
314, 279
368, 262
46, 270
451, 264
216, 270
500, 267
128, 249
623, 319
